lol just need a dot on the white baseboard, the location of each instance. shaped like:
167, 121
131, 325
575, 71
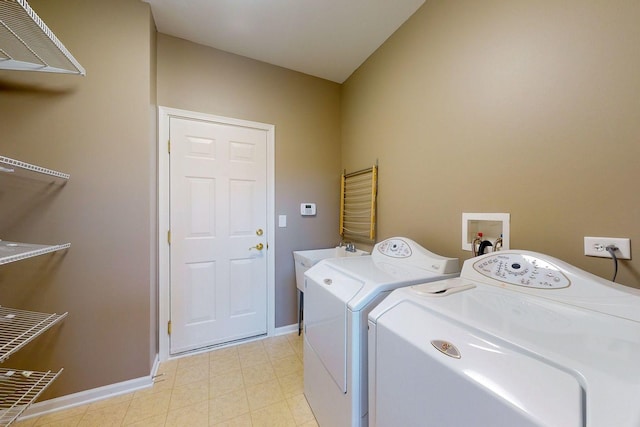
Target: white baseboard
89, 396
283, 330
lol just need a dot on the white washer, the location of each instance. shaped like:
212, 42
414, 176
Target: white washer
339, 294
519, 339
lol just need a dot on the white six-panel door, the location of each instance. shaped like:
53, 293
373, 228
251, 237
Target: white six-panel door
218, 222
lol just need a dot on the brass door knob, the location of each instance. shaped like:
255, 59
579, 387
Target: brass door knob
259, 232
259, 247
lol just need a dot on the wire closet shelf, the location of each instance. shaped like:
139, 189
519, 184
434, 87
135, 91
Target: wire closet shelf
15, 251
18, 389
19, 327
29, 45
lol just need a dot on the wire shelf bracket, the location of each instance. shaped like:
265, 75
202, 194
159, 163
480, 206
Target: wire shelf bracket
29, 167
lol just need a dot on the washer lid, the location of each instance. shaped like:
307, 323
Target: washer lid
446, 374
599, 349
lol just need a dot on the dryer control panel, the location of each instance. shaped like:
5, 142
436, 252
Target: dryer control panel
403, 251
521, 270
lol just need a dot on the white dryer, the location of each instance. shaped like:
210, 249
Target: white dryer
339, 294
519, 339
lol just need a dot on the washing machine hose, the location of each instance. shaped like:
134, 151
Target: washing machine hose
483, 245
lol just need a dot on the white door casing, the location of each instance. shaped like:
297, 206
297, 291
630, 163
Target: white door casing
212, 158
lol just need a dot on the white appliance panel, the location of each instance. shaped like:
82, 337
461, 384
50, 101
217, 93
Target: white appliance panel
490, 377
570, 335
326, 318
339, 294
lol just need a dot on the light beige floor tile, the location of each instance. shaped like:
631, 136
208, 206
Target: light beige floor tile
144, 407
225, 383
253, 357
215, 388
276, 339
251, 346
300, 409
194, 415
195, 360
300, 354
66, 422
275, 342
155, 421
162, 382
296, 340
241, 421
292, 385
112, 401
191, 374
287, 366
29, 422
168, 366
223, 352
111, 415
257, 374
279, 350
189, 394
49, 419
274, 415
224, 364
264, 394
228, 406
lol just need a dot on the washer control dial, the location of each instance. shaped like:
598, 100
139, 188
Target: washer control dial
395, 248
522, 270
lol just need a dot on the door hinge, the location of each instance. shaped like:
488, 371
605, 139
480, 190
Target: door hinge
169, 327
169, 146
169, 236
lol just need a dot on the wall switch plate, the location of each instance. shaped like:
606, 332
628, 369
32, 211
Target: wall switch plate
282, 221
597, 246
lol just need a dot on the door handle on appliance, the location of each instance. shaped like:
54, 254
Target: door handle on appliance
259, 247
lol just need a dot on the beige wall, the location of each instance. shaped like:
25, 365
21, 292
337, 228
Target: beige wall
306, 113
530, 108
98, 129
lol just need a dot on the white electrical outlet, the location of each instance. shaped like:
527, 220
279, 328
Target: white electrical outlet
597, 246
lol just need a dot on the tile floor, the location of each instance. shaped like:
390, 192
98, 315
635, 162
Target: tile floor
253, 384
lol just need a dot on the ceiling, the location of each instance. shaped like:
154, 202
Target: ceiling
329, 39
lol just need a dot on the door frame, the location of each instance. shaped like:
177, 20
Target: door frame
164, 302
